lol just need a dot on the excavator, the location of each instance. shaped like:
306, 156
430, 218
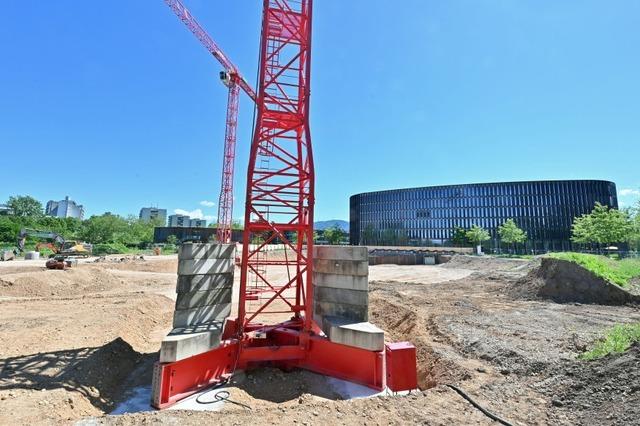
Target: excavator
61, 248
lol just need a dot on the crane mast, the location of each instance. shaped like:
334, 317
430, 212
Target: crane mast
232, 78
280, 178
278, 209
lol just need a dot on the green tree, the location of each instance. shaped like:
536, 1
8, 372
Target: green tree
389, 237
477, 235
333, 235
104, 229
634, 215
603, 227
511, 234
368, 234
25, 205
459, 237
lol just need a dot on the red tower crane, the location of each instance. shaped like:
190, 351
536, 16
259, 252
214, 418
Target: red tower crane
279, 205
232, 78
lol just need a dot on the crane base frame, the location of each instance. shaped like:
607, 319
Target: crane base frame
284, 345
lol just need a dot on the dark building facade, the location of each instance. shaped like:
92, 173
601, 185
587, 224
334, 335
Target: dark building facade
428, 216
161, 233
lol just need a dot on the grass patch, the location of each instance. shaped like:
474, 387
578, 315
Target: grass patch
619, 272
513, 256
617, 339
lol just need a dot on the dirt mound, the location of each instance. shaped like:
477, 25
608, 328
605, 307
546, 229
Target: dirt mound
567, 282
402, 323
603, 391
135, 263
485, 263
70, 381
70, 282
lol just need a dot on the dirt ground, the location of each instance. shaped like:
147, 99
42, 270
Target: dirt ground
74, 342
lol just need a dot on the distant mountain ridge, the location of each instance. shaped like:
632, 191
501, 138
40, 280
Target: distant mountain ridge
324, 224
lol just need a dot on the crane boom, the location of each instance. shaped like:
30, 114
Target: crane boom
232, 78
185, 16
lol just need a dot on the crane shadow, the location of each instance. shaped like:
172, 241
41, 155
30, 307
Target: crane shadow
101, 374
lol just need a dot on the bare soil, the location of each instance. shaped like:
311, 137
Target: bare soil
75, 341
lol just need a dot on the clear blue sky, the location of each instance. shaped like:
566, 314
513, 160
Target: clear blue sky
117, 105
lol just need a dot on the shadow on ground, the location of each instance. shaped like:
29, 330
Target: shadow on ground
101, 374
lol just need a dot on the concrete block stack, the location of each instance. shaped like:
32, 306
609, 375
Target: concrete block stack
341, 296
204, 294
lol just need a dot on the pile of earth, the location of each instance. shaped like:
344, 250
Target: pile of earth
486, 263
69, 282
603, 391
567, 282
75, 380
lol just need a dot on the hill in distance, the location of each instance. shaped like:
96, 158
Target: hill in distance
322, 225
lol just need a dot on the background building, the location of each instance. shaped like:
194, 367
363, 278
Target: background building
160, 234
64, 208
5, 210
148, 214
428, 216
181, 220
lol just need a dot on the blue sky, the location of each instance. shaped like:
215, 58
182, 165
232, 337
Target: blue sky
117, 105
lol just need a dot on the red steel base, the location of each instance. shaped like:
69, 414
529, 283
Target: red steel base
284, 345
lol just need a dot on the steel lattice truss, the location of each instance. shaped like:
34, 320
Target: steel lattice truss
279, 200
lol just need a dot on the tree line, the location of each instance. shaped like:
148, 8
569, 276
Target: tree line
121, 233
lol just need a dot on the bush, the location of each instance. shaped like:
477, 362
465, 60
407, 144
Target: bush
619, 272
617, 339
111, 248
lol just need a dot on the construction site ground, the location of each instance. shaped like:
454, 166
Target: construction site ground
75, 343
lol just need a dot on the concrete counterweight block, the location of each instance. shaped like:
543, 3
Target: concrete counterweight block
204, 266
341, 284
203, 301
189, 283
185, 342
362, 335
206, 251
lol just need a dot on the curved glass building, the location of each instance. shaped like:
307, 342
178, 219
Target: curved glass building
427, 216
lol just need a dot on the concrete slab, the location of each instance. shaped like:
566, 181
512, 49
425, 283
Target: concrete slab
362, 335
206, 251
194, 299
183, 342
204, 266
7, 255
356, 313
348, 282
341, 252
188, 283
201, 315
31, 255
342, 267
336, 295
